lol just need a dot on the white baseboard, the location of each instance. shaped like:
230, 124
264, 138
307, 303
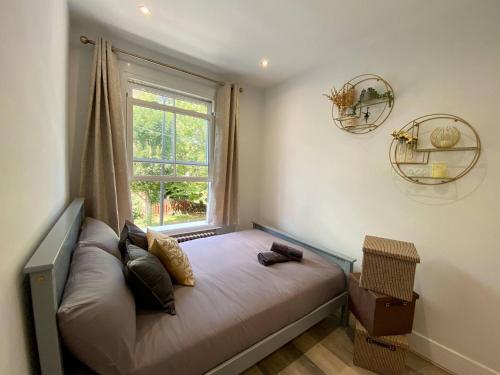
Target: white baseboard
447, 358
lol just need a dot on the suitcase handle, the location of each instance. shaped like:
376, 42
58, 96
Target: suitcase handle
369, 340
400, 303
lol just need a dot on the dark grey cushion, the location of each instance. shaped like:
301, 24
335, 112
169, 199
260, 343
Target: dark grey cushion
135, 235
99, 234
132, 252
97, 315
148, 280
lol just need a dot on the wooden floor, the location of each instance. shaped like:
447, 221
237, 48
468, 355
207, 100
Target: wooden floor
326, 349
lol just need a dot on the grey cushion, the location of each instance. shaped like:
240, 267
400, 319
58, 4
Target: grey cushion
97, 314
133, 252
135, 235
148, 280
99, 234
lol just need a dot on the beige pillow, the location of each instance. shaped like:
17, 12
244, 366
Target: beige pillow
172, 257
96, 233
96, 318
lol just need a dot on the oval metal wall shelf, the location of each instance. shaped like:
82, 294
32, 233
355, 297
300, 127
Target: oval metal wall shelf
419, 159
362, 104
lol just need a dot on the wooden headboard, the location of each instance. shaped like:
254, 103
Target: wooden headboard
48, 270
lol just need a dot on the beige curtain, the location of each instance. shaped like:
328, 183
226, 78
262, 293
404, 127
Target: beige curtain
223, 203
104, 179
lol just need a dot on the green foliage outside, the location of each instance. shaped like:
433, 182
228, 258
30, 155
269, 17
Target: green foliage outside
157, 135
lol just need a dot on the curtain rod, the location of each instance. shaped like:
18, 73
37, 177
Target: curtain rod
86, 40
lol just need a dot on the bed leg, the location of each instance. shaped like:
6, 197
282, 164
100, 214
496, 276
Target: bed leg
344, 315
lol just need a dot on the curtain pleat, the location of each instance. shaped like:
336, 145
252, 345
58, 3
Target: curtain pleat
223, 200
104, 180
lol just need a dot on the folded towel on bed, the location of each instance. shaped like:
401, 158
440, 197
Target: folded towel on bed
268, 258
289, 252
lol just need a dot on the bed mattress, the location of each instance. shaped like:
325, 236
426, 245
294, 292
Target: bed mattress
236, 303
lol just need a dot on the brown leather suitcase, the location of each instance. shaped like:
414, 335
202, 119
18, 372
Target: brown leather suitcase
381, 315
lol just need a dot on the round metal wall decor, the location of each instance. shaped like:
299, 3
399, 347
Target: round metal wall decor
362, 104
435, 149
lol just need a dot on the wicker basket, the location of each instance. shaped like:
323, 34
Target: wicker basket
389, 267
384, 355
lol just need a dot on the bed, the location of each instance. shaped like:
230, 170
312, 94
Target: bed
238, 313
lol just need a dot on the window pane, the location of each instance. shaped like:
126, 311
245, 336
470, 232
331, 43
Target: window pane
153, 169
186, 201
152, 133
145, 203
182, 202
193, 105
191, 139
152, 96
192, 170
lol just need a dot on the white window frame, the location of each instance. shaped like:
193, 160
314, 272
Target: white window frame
132, 83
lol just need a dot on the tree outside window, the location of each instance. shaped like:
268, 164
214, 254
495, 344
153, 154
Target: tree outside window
170, 164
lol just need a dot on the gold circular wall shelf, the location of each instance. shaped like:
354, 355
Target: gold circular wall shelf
434, 149
362, 104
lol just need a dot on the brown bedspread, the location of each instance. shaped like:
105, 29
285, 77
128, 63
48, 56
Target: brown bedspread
236, 302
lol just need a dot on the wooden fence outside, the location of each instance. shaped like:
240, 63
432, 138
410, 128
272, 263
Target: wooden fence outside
170, 207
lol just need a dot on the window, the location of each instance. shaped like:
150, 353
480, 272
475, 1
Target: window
169, 147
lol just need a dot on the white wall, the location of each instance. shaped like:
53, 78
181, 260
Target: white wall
33, 156
251, 110
250, 155
331, 187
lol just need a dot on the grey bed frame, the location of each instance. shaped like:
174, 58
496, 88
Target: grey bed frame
48, 270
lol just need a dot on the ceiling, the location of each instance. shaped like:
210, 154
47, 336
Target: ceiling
232, 36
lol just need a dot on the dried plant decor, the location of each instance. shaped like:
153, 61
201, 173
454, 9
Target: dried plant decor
361, 104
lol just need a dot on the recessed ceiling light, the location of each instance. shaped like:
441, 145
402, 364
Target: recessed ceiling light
144, 9
264, 63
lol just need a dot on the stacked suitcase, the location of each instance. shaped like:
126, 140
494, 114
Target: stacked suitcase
383, 302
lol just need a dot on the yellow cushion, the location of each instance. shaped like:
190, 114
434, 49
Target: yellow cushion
173, 258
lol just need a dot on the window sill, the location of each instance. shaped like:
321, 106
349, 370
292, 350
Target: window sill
185, 228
